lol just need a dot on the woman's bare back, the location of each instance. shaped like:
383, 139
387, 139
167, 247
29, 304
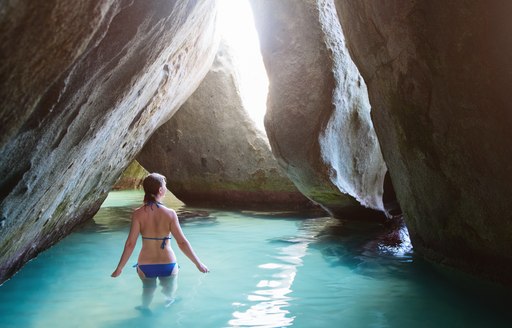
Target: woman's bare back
155, 222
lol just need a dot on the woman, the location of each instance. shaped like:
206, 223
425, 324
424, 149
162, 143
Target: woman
155, 223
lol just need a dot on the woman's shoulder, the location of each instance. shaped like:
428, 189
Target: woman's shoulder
168, 210
138, 211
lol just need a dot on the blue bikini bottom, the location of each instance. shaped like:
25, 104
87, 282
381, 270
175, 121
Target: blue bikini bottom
156, 270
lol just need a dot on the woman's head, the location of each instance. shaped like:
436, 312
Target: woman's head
152, 184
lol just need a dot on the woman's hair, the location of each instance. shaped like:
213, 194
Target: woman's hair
151, 185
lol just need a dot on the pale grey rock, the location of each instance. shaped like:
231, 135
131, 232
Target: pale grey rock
213, 154
318, 117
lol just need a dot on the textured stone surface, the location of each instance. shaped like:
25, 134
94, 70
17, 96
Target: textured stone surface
131, 178
318, 117
83, 84
439, 78
212, 153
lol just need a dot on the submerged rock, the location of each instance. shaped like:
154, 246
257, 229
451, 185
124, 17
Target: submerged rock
212, 153
439, 77
83, 85
318, 117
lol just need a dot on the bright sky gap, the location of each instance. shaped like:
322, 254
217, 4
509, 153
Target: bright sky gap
236, 24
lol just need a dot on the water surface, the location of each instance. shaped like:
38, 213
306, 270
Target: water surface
267, 270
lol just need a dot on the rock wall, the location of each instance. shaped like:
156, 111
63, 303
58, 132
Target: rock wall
318, 116
439, 78
212, 153
83, 85
131, 178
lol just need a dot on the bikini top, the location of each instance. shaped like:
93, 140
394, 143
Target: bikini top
163, 239
150, 204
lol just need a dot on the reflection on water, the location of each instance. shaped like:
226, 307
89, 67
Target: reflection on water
272, 295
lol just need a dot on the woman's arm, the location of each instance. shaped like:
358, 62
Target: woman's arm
129, 245
184, 244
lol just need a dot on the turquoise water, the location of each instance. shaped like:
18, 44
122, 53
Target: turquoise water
266, 271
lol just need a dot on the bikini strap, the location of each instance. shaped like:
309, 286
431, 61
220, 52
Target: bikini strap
150, 204
163, 239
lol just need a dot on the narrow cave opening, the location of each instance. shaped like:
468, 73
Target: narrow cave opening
237, 28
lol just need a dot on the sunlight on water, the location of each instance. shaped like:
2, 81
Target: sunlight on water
272, 296
266, 271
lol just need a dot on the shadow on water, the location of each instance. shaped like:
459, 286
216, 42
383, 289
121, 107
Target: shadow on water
108, 219
119, 218
366, 249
